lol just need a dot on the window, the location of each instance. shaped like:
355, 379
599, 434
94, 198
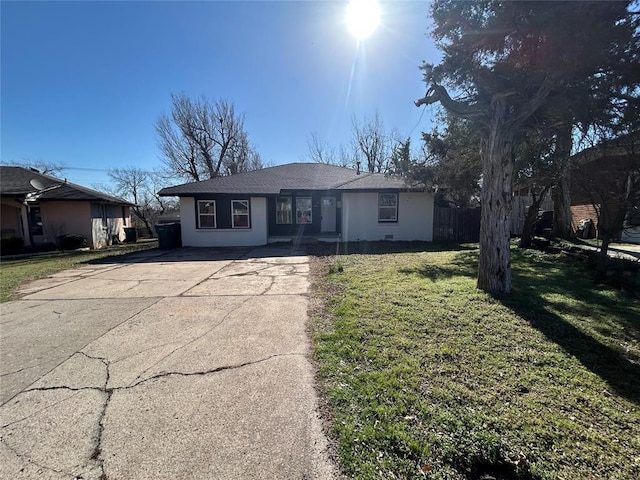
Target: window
283, 210
206, 214
388, 207
240, 213
303, 210
35, 220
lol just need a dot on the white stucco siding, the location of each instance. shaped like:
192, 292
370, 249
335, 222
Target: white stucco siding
216, 237
360, 218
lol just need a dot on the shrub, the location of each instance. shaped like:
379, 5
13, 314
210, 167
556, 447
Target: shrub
11, 245
71, 241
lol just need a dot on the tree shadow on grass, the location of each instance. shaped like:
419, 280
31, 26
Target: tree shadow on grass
533, 280
464, 263
617, 368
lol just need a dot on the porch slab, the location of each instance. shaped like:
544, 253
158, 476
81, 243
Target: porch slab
240, 268
233, 285
285, 269
192, 271
86, 288
131, 387
63, 442
158, 288
298, 259
44, 284
190, 414
84, 271
38, 335
289, 285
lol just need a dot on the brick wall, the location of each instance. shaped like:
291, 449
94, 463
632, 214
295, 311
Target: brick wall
580, 212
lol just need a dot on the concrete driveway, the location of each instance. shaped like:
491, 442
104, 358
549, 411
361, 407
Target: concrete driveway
188, 364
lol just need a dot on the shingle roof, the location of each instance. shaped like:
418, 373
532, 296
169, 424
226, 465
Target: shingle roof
18, 181
625, 145
292, 176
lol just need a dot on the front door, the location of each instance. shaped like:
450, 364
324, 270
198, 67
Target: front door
328, 213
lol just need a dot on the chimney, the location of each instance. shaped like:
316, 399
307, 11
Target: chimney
358, 167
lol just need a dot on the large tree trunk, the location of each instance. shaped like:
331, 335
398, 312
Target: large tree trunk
494, 265
562, 193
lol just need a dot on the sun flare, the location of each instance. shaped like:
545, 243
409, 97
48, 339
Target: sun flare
363, 17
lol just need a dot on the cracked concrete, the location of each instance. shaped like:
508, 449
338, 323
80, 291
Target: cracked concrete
191, 364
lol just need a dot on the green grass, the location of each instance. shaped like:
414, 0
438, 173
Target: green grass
15, 272
427, 377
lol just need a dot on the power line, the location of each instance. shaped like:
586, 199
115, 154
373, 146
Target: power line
418, 122
103, 170
86, 169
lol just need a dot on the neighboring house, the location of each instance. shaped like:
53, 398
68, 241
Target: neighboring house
601, 178
604, 181
281, 203
38, 208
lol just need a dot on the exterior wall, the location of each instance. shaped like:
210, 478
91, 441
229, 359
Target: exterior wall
580, 212
360, 218
68, 217
10, 218
59, 218
107, 221
83, 218
224, 237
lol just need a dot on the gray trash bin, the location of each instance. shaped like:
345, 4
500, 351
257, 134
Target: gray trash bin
130, 235
169, 235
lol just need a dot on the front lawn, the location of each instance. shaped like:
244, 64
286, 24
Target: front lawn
427, 377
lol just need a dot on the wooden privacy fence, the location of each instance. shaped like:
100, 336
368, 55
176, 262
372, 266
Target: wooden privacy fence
456, 224
521, 206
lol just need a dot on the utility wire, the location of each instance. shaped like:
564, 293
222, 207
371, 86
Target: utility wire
418, 122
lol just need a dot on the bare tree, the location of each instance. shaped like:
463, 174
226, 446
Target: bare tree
346, 156
43, 166
372, 143
319, 151
369, 142
202, 139
242, 157
134, 184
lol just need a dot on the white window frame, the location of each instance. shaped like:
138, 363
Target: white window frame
233, 214
310, 211
287, 212
387, 207
200, 214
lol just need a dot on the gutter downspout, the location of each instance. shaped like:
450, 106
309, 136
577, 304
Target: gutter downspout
24, 220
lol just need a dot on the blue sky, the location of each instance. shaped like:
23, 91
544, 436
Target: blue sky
83, 83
